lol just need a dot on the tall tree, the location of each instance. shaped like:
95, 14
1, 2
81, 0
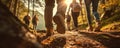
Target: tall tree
33, 6
18, 7
28, 6
15, 7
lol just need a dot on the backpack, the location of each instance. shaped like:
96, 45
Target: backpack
26, 18
34, 20
76, 7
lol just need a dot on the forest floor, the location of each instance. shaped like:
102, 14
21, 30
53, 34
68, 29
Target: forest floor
82, 39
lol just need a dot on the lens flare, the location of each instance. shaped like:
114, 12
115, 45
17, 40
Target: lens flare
68, 2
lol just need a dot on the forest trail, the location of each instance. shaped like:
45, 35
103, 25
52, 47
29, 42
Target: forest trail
83, 39
15, 34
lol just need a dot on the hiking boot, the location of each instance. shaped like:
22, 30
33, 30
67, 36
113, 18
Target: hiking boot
69, 29
98, 26
90, 28
49, 32
59, 20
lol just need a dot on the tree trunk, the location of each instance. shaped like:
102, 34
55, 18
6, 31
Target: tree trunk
10, 2
18, 7
33, 7
28, 6
15, 7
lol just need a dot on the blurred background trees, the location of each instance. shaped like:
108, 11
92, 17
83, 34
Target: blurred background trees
111, 14
109, 10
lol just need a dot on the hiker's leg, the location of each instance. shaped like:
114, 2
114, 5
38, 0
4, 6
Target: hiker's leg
60, 16
48, 13
35, 26
68, 22
95, 7
61, 8
68, 25
27, 23
96, 14
87, 3
75, 18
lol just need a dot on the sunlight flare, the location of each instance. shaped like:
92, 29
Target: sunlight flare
68, 2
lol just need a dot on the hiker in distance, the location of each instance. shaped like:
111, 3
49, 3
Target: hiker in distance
75, 8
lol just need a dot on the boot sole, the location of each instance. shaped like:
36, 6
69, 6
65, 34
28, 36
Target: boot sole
60, 24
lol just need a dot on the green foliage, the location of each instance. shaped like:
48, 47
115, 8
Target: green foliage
112, 16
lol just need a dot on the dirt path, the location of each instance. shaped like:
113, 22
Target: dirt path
77, 39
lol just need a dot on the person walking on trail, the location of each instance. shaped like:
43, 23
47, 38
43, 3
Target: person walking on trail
75, 11
58, 18
68, 21
95, 13
26, 19
35, 22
